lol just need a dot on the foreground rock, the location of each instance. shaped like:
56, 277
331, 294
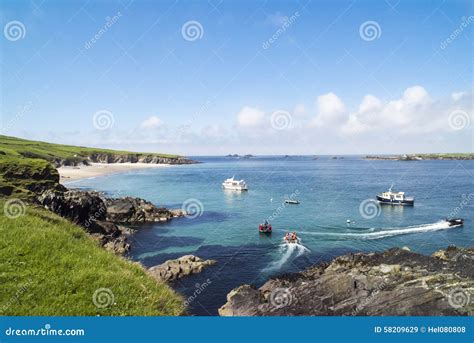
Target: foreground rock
175, 269
393, 283
101, 216
136, 210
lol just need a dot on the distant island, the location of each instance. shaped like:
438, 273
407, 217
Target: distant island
239, 156
421, 157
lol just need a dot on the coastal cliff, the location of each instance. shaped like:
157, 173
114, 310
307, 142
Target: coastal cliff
396, 282
68, 155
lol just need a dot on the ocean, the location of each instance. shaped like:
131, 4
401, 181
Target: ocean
224, 224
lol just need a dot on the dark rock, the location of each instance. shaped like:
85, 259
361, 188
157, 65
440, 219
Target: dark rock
135, 210
78, 206
100, 215
396, 282
175, 269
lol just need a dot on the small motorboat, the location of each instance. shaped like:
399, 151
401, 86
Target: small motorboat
455, 221
291, 238
292, 201
266, 227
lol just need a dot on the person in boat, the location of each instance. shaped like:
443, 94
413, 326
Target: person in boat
293, 236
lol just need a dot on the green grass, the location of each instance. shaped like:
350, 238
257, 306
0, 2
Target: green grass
23, 177
51, 152
48, 266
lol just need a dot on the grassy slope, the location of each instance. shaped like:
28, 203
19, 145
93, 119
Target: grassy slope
65, 267
20, 176
49, 151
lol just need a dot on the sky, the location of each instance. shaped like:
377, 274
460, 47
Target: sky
248, 77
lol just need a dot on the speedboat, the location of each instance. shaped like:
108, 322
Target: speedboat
393, 198
265, 227
235, 185
291, 238
292, 201
455, 221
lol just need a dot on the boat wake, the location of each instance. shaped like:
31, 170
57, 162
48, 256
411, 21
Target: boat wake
387, 232
287, 251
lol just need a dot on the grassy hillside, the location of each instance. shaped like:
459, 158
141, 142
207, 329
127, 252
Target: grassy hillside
52, 152
49, 266
23, 177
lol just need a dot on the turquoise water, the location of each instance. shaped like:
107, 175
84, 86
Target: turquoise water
331, 191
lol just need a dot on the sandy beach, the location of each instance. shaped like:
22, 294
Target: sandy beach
98, 169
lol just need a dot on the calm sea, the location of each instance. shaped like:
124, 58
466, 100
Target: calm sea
331, 191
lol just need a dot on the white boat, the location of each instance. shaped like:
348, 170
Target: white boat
394, 198
235, 185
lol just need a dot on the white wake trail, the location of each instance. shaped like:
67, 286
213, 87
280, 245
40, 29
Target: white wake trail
389, 232
287, 251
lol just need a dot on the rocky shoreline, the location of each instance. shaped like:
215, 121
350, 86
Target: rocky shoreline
121, 158
103, 217
396, 282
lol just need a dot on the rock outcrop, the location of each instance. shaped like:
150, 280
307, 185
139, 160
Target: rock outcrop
102, 216
136, 210
175, 269
397, 282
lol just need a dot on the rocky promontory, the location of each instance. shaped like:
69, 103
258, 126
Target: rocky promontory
396, 282
104, 217
176, 269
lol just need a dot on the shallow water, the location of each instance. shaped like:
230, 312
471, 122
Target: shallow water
331, 192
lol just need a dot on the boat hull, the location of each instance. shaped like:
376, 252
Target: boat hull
235, 188
406, 202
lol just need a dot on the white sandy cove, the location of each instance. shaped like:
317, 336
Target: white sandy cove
97, 169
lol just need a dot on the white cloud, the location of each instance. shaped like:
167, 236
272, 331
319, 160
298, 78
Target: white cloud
457, 95
249, 117
414, 113
369, 103
151, 123
330, 110
300, 110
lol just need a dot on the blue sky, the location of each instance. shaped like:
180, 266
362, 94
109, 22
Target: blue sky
335, 88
